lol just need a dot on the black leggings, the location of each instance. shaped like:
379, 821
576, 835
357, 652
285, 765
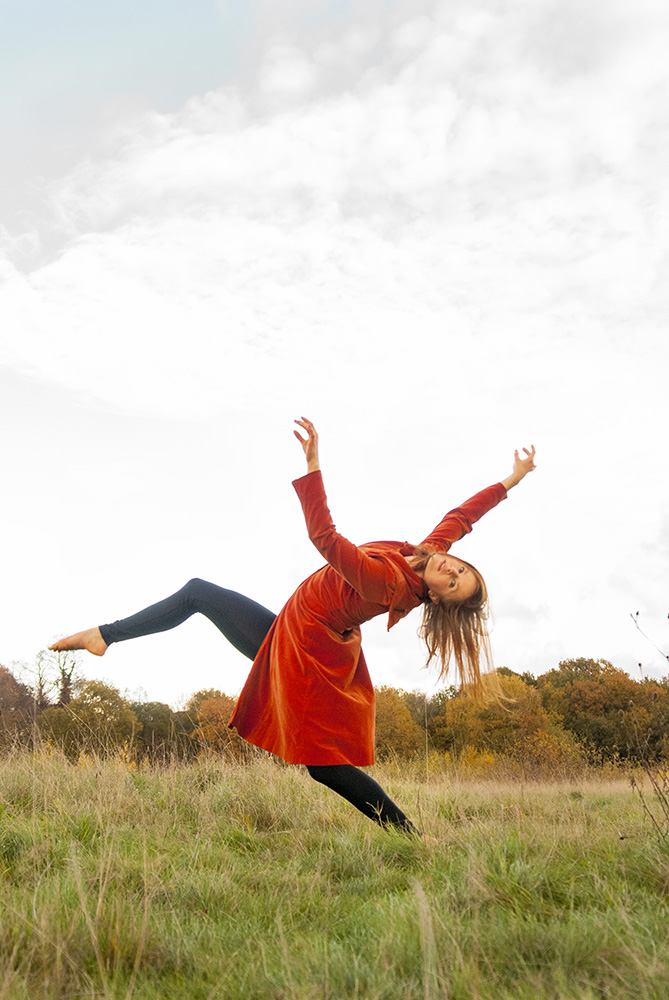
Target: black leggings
245, 624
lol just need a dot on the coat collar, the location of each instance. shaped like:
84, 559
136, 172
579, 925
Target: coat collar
410, 590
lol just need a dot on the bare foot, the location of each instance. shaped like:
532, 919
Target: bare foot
90, 639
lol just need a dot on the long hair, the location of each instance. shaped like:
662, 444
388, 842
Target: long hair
456, 632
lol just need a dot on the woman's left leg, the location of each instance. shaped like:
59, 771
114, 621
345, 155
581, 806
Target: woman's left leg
363, 792
243, 622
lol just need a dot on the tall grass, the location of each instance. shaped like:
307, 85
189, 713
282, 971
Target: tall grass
221, 881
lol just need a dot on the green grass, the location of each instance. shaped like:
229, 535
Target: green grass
220, 881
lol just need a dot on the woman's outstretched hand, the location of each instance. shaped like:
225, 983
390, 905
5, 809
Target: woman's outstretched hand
310, 444
521, 466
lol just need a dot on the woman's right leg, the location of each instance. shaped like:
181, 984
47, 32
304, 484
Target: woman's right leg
362, 792
242, 621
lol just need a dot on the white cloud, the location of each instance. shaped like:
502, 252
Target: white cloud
439, 173
287, 74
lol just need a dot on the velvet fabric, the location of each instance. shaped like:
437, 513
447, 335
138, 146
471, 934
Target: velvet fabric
309, 698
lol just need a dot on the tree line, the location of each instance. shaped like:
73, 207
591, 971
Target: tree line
584, 709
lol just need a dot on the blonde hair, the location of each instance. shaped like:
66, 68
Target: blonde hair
456, 632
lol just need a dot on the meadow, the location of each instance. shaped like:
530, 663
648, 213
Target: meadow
217, 880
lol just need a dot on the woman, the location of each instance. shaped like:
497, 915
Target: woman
308, 697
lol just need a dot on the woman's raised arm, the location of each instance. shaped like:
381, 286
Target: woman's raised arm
372, 578
458, 522
521, 466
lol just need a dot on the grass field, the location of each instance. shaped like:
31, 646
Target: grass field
214, 880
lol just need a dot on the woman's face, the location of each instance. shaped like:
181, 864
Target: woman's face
449, 578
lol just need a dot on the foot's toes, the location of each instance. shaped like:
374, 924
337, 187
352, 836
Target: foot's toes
90, 640
60, 645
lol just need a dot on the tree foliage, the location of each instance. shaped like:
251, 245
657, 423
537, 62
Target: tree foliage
212, 731
396, 732
596, 701
161, 734
551, 720
496, 727
98, 719
16, 707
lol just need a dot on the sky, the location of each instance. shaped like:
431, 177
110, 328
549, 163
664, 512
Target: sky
438, 229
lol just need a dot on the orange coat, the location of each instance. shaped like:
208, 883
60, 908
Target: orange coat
309, 698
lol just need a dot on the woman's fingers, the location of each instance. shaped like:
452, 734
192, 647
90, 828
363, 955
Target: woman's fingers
529, 460
307, 426
310, 443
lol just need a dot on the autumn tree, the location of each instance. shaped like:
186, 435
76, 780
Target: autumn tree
52, 677
496, 727
396, 731
161, 734
65, 666
38, 679
599, 702
423, 707
195, 701
459, 725
98, 719
212, 730
16, 708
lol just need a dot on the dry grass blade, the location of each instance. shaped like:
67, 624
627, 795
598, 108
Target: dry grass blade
91, 924
428, 945
657, 776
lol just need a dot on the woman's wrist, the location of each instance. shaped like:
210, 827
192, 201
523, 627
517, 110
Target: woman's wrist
511, 481
521, 467
313, 466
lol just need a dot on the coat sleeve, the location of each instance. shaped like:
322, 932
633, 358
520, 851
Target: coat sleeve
372, 577
458, 522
